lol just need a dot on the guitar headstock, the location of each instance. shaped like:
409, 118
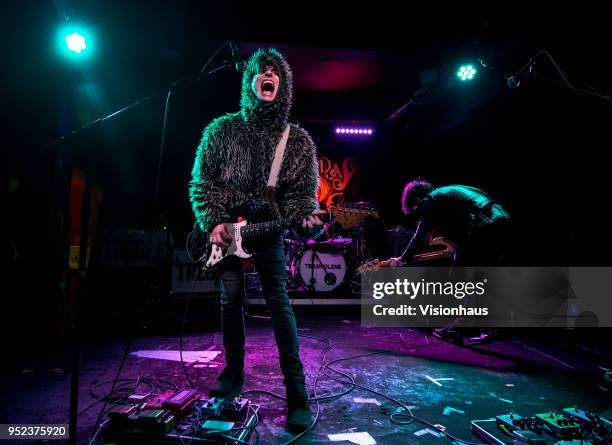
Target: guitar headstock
351, 215
373, 265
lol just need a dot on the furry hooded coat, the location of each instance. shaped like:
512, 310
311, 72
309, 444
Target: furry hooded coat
234, 157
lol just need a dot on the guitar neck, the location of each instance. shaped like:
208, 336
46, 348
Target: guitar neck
277, 226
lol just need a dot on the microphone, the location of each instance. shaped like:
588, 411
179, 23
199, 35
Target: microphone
237, 60
515, 80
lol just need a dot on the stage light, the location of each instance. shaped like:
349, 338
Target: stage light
354, 131
75, 42
466, 72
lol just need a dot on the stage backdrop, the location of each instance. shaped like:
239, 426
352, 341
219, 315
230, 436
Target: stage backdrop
339, 181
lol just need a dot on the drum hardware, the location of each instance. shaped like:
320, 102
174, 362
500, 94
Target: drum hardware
330, 279
340, 242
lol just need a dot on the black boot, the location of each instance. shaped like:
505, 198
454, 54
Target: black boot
228, 384
299, 417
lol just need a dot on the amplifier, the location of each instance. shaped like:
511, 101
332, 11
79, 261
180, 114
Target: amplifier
133, 248
185, 272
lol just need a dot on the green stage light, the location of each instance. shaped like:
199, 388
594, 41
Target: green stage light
466, 72
75, 42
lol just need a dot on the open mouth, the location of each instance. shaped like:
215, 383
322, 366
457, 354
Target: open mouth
267, 86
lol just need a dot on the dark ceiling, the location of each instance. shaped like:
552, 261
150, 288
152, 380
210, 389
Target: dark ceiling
351, 61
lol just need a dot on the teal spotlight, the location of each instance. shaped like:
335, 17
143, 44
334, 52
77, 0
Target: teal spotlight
75, 42
466, 72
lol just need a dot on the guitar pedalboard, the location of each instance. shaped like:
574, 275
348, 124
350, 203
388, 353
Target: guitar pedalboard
180, 417
567, 427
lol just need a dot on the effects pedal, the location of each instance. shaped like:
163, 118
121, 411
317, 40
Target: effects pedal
158, 421
558, 424
217, 425
527, 437
209, 408
235, 410
138, 399
599, 426
157, 401
181, 401
120, 414
586, 417
511, 421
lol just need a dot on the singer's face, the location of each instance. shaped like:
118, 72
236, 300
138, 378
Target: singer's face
265, 85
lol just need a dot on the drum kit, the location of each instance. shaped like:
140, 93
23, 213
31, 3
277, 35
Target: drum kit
322, 266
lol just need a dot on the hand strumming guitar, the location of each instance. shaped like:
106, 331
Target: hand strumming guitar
221, 234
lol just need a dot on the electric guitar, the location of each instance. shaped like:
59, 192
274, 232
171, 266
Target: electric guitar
449, 251
242, 232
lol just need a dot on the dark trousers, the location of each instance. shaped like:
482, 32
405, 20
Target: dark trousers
270, 264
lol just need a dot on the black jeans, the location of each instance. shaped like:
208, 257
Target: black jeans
270, 264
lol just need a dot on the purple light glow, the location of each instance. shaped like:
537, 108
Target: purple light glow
357, 131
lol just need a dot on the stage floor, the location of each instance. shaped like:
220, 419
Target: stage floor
448, 385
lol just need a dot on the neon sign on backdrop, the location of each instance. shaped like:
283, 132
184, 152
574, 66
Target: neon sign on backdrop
335, 177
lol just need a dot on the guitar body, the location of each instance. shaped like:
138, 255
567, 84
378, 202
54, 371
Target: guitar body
217, 253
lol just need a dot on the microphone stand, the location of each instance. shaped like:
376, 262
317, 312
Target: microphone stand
579, 91
565, 83
85, 214
75, 132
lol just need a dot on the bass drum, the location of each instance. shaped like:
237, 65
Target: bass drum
321, 271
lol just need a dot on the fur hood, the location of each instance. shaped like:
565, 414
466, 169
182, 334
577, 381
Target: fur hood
270, 115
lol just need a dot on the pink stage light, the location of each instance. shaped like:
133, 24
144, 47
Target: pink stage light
354, 131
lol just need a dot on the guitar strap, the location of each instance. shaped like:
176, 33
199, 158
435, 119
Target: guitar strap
275, 170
